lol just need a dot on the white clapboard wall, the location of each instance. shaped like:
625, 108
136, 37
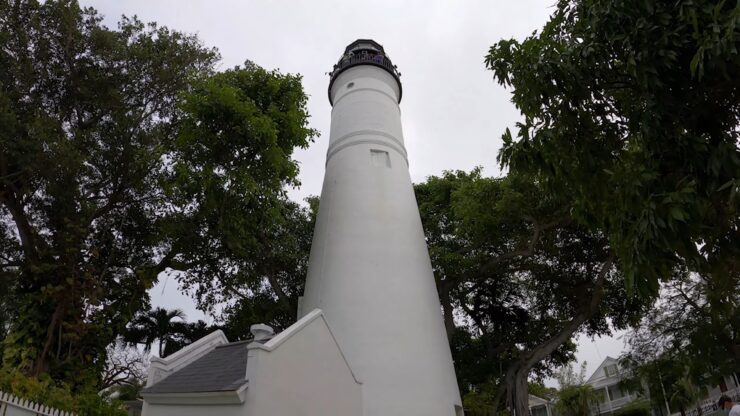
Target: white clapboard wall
15, 406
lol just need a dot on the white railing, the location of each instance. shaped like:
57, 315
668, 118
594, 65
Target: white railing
617, 403
11, 405
610, 406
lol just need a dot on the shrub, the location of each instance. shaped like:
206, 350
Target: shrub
43, 390
576, 400
636, 408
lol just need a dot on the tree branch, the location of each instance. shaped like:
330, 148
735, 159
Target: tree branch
585, 311
529, 250
21, 222
520, 369
282, 297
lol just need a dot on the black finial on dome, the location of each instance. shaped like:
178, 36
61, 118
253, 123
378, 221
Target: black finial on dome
365, 52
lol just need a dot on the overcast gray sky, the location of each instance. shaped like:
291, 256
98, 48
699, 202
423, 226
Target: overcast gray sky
453, 112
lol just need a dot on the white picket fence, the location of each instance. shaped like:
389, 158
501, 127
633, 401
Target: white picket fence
11, 405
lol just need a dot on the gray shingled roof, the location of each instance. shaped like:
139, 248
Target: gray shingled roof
221, 369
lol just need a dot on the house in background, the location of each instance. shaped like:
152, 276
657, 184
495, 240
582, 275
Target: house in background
539, 406
606, 379
729, 386
605, 382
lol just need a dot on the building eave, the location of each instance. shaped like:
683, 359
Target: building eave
236, 396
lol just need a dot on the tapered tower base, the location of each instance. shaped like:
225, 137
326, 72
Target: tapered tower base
369, 269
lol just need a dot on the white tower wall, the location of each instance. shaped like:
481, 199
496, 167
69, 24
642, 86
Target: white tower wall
369, 268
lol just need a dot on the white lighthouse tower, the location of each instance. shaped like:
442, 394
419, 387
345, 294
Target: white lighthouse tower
370, 340
369, 269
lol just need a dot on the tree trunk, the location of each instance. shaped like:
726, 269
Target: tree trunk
282, 297
447, 311
41, 362
518, 372
515, 389
503, 389
23, 226
520, 393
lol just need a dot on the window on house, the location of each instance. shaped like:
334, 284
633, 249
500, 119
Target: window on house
538, 411
611, 370
601, 395
380, 158
615, 392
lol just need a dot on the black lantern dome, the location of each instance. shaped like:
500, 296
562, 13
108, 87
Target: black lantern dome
365, 52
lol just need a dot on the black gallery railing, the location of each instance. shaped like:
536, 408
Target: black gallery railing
379, 60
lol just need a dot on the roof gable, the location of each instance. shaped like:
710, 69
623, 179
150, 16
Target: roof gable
277, 340
599, 374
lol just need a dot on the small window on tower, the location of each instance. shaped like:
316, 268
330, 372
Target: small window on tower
380, 158
350, 85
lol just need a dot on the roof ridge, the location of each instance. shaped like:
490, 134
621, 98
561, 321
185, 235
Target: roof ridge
230, 344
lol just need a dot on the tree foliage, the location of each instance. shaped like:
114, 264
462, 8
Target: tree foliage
639, 407
124, 366
576, 400
266, 291
157, 325
567, 375
124, 155
631, 109
540, 390
696, 320
684, 394
45, 391
668, 378
517, 279
263, 286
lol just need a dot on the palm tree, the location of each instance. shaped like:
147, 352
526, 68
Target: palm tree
685, 393
185, 333
576, 400
156, 324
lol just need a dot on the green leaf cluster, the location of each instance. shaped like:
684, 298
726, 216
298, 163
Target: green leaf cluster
691, 334
125, 154
576, 400
630, 109
480, 402
518, 278
640, 407
45, 391
667, 379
